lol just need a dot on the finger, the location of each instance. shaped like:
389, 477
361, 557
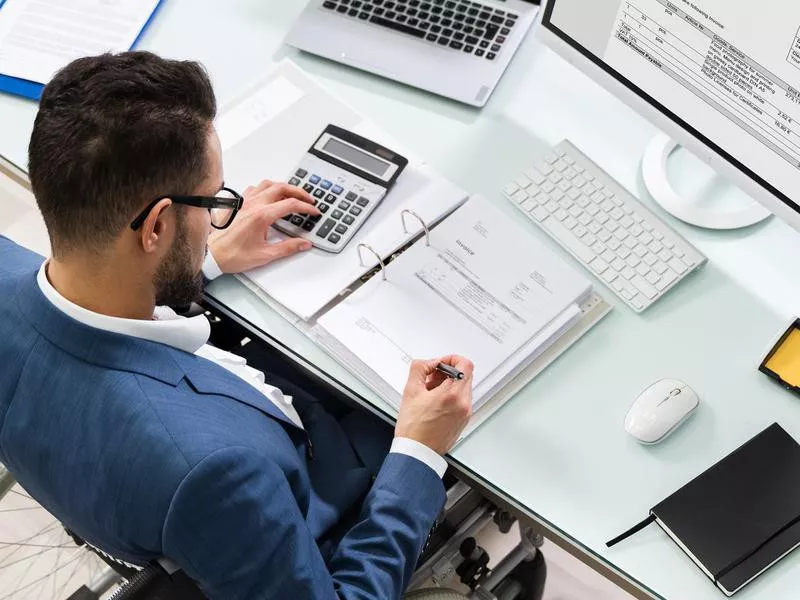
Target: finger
286, 248
253, 190
419, 372
461, 363
282, 191
435, 380
278, 210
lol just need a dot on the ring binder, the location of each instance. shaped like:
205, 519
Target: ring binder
421, 220
378, 256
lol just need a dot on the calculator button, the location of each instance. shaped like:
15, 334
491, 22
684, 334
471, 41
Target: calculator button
337, 214
301, 173
326, 227
314, 179
362, 201
334, 238
337, 189
287, 218
355, 211
323, 208
314, 218
308, 187
325, 185
319, 193
294, 181
308, 225
330, 198
348, 220
344, 205
351, 196
341, 229
297, 220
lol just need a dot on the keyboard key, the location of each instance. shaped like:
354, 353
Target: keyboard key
344, 205
297, 220
308, 188
330, 198
677, 265
337, 189
645, 288
323, 208
348, 220
337, 214
570, 241
319, 193
351, 196
301, 173
315, 179
362, 201
667, 279
294, 181
355, 211
341, 229
308, 225
325, 185
334, 238
388, 23
326, 227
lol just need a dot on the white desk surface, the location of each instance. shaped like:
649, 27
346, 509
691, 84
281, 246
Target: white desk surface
558, 450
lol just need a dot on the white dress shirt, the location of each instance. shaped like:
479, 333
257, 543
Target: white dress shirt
191, 335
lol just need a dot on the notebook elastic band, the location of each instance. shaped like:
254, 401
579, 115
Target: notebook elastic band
749, 554
635, 529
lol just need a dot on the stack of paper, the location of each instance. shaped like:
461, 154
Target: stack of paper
483, 288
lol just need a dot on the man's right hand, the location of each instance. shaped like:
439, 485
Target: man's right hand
435, 408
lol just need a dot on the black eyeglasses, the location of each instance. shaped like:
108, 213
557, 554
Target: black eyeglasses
223, 207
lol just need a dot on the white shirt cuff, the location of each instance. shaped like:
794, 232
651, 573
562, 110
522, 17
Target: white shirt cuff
421, 452
211, 269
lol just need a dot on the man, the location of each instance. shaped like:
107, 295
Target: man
119, 418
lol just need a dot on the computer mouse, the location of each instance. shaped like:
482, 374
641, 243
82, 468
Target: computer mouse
660, 409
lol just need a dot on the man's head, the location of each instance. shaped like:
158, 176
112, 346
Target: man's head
113, 134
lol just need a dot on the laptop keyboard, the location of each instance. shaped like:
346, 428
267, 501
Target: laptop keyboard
461, 25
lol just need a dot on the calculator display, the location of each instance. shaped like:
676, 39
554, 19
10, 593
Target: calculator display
356, 157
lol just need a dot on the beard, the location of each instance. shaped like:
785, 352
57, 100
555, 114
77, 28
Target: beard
176, 282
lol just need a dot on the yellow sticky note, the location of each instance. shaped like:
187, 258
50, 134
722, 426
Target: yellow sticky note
786, 360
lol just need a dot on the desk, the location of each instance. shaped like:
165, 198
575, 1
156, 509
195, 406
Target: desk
558, 451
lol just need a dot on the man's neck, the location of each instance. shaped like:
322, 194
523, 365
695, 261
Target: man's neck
103, 288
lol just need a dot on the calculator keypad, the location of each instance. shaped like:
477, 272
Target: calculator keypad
343, 210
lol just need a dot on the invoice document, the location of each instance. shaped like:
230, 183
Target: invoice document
483, 288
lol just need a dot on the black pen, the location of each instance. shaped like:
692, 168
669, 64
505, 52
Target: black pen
451, 372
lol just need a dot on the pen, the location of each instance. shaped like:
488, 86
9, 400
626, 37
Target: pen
451, 372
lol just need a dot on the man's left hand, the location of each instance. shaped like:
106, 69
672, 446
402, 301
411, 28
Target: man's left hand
244, 245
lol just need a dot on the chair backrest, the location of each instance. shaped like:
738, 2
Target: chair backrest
20, 219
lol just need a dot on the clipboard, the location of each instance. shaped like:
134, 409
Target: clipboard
32, 90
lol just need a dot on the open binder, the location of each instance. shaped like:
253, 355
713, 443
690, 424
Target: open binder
435, 271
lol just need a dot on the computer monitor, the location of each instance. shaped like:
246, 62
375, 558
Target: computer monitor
721, 77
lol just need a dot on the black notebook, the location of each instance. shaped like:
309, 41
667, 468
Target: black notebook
742, 515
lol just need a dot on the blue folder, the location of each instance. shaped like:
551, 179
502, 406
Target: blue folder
32, 89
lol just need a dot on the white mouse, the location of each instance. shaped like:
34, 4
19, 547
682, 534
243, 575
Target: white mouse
660, 409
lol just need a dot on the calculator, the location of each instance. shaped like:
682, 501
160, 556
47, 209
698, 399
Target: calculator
347, 176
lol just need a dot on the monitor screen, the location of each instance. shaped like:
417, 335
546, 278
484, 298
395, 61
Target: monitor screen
727, 71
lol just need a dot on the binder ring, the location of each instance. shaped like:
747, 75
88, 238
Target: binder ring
363, 246
418, 218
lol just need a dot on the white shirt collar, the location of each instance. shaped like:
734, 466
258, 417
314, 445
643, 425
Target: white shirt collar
167, 327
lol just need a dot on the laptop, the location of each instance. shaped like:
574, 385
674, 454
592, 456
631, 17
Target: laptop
455, 48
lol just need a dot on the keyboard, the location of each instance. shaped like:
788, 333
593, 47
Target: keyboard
460, 25
603, 226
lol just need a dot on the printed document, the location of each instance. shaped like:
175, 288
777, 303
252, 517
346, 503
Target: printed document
38, 37
484, 288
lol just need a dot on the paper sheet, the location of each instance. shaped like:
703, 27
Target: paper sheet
483, 289
247, 117
38, 37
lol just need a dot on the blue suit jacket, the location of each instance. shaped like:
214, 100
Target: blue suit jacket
147, 451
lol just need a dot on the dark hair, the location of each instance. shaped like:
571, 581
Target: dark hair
113, 133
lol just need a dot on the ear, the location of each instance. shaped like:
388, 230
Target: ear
157, 229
